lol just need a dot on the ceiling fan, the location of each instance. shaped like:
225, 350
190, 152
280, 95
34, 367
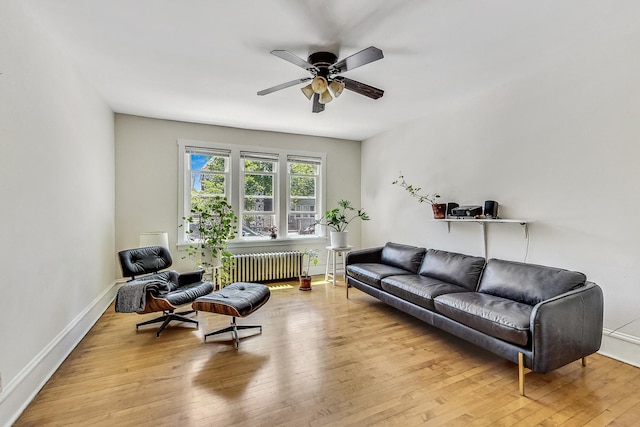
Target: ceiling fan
325, 77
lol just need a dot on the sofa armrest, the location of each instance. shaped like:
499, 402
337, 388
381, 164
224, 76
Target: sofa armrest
190, 277
364, 255
566, 328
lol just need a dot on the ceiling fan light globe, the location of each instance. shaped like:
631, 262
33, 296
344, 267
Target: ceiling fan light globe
336, 87
319, 84
308, 91
325, 97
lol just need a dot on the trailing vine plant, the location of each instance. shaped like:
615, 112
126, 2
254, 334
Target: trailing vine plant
211, 225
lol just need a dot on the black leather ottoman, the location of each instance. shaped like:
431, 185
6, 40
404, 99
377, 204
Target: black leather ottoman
238, 299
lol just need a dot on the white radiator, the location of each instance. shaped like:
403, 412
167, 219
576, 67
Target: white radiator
259, 267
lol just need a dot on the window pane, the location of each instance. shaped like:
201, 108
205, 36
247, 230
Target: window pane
208, 162
299, 204
257, 226
258, 204
258, 185
208, 183
303, 168
304, 186
301, 224
203, 182
258, 165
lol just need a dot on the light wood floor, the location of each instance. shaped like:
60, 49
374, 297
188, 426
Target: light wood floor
321, 360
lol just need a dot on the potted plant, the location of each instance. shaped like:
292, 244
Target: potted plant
338, 219
209, 228
439, 209
305, 278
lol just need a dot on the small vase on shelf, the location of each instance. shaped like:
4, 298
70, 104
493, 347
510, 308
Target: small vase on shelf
439, 210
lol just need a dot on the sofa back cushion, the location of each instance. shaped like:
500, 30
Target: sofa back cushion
459, 269
402, 256
527, 283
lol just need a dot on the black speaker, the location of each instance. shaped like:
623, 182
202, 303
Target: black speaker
451, 205
491, 209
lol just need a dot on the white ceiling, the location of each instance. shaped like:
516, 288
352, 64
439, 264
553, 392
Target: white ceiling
203, 60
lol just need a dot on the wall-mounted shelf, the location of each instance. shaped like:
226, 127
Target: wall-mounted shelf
484, 221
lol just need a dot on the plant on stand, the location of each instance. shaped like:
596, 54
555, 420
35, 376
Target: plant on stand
439, 209
305, 278
209, 228
338, 219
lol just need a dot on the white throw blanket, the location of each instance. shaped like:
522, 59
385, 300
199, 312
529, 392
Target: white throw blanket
132, 296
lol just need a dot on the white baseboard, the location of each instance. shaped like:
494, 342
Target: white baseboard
18, 393
620, 346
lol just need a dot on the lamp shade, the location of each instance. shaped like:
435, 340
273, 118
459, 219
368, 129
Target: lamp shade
336, 87
325, 97
154, 238
308, 91
319, 84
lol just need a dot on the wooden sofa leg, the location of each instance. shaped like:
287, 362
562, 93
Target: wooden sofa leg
584, 361
521, 373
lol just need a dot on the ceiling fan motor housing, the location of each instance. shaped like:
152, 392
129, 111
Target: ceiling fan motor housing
322, 59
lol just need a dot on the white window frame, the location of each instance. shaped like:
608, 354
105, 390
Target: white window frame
234, 189
275, 211
317, 212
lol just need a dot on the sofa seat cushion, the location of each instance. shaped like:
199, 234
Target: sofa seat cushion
373, 273
458, 269
405, 257
495, 316
419, 290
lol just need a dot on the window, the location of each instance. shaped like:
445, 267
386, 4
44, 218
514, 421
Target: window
303, 176
259, 194
207, 172
271, 191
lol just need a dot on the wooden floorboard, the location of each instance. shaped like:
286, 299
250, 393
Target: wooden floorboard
321, 360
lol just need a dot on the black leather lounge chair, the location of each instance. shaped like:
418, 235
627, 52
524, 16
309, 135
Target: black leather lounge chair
151, 290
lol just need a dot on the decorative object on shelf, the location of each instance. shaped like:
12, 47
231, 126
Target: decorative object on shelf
466, 211
210, 226
439, 209
338, 221
490, 209
451, 206
305, 278
273, 232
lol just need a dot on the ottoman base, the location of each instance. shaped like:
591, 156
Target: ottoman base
233, 328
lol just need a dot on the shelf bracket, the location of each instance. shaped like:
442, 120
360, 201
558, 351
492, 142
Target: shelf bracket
484, 237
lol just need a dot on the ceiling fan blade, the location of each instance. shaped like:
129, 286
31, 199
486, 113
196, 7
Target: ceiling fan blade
294, 59
359, 59
317, 107
361, 88
283, 86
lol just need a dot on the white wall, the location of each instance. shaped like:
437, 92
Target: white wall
559, 146
57, 215
147, 175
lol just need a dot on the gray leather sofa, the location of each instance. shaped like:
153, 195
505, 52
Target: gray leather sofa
539, 317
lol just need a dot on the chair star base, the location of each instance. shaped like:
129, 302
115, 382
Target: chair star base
168, 317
